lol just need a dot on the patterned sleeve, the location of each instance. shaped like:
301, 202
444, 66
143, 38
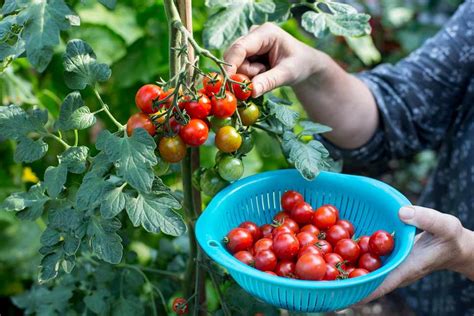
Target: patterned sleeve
417, 98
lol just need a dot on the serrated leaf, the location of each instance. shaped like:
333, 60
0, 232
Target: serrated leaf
101, 164
260, 10
128, 306
81, 66
28, 150
29, 204
349, 24
282, 112
41, 301
74, 114
49, 266
75, 158
106, 243
133, 157
65, 219
71, 244
312, 128
314, 22
16, 123
341, 8
113, 203
50, 237
98, 301
110, 4
54, 179
91, 191
155, 212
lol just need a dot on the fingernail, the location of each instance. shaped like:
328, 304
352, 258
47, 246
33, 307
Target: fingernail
407, 212
257, 89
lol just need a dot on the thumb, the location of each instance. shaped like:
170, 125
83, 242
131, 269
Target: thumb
429, 220
269, 80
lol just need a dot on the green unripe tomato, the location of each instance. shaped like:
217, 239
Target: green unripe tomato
220, 155
249, 115
211, 182
230, 168
217, 123
161, 167
247, 144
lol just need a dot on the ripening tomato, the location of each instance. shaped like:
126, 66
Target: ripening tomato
140, 120
285, 268
180, 306
336, 233
263, 244
310, 267
381, 243
194, 133
253, 229
306, 238
267, 230
212, 83
280, 217
289, 199
285, 246
334, 259
172, 149
324, 217
302, 213
249, 115
363, 242
245, 257
369, 262
199, 108
224, 106
309, 249
145, 97
265, 260
357, 272
310, 228
238, 239
348, 249
244, 90
347, 226
324, 246
228, 140
332, 273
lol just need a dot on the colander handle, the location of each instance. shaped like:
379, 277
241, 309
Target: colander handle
218, 253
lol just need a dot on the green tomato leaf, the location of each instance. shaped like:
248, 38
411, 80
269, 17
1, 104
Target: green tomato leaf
260, 10
15, 123
105, 242
349, 24
98, 301
113, 203
81, 66
128, 306
134, 157
110, 4
49, 266
29, 204
312, 128
54, 179
42, 301
155, 212
282, 112
314, 22
66, 219
75, 158
91, 191
29, 150
74, 114
50, 237
101, 164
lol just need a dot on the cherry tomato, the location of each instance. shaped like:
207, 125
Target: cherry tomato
217, 123
347, 226
265, 260
211, 183
280, 217
172, 149
228, 140
324, 217
287, 221
348, 249
249, 115
334, 209
253, 229
212, 83
285, 246
309, 249
247, 144
369, 262
310, 267
336, 233
238, 239
145, 97
357, 272
285, 268
174, 125
310, 228
306, 238
199, 108
302, 213
180, 306
224, 106
167, 98
381, 243
271, 273
194, 133
349, 268
324, 246
230, 168
363, 242
263, 244
244, 91
267, 230
245, 257
289, 199
332, 273
282, 229
140, 120
334, 259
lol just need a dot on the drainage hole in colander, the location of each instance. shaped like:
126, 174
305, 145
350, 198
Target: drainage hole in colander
213, 243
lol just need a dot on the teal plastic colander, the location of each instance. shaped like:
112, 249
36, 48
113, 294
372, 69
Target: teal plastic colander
369, 204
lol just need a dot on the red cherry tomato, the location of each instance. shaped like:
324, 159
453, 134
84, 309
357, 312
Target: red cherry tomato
291, 224
369, 262
140, 120
349, 269
174, 125
145, 97
253, 229
194, 133
180, 306
347, 226
282, 229
244, 91
332, 273
357, 272
324, 246
167, 98
310, 267
285, 268
280, 216
245, 257
335, 260
212, 83
265, 260
285, 246
289, 199
263, 244
336, 233
334, 209
267, 230
199, 108
302, 213
306, 238
381, 243
310, 228
224, 106
271, 273
324, 217
309, 249
238, 239
348, 249
364, 244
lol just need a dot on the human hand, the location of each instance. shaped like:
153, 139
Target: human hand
443, 244
273, 58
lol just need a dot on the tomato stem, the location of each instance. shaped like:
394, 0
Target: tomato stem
105, 107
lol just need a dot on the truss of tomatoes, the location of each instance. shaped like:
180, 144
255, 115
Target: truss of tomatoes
215, 106
307, 244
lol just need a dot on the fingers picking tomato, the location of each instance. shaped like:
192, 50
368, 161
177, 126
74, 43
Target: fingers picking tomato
244, 90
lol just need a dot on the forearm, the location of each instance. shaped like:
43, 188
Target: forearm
335, 98
466, 264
